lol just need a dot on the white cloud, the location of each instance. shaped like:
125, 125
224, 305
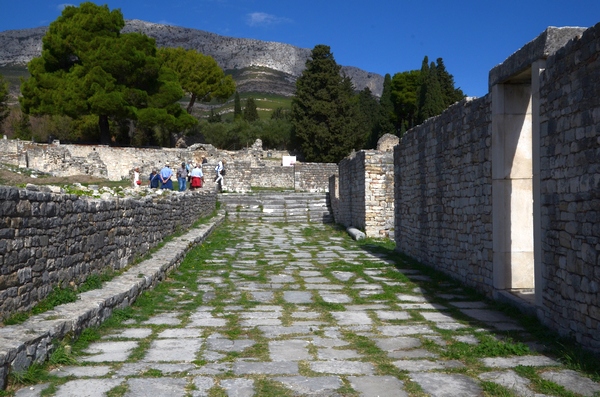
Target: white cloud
264, 19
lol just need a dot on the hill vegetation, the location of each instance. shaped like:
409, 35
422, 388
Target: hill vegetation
318, 115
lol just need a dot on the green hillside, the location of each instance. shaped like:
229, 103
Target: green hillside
256, 82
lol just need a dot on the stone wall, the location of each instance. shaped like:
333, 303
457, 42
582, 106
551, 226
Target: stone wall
363, 197
247, 168
570, 189
302, 177
511, 181
49, 239
443, 193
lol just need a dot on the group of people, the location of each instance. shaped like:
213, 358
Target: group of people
188, 172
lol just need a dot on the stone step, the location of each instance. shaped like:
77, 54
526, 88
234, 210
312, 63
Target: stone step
278, 207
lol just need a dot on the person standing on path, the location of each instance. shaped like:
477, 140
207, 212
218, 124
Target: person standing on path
220, 171
136, 178
154, 179
196, 177
182, 175
165, 178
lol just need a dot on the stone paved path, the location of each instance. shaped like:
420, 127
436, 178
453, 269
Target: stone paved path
286, 313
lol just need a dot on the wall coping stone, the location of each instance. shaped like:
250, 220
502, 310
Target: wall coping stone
546, 44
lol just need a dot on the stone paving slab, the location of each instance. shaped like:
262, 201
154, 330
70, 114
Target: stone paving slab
319, 385
82, 372
511, 362
377, 386
164, 387
511, 380
173, 350
426, 365
445, 385
108, 351
573, 381
87, 387
342, 367
266, 368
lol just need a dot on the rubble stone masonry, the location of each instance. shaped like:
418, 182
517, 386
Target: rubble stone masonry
49, 239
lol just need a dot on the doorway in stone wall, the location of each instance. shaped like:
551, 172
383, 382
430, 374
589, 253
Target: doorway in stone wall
515, 134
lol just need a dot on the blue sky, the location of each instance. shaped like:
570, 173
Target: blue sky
386, 36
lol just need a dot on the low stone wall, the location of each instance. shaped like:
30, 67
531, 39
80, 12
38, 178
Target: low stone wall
313, 177
245, 169
241, 177
49, 239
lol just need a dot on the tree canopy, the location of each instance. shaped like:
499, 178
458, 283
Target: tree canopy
325, 117
199, 75
88, 67
417, 95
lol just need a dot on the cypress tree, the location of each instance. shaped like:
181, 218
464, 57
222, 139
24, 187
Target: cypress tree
385, 120
450, 94
237, 107
431, 101
250, 112
325, 117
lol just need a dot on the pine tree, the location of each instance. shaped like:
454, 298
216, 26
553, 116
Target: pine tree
405, 90
324, 115
88, 67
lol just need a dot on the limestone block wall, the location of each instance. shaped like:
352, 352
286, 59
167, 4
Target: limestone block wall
49, 239
364, 197
379, 199
313, 177
241, 177
570, 189
443, 193
351, 192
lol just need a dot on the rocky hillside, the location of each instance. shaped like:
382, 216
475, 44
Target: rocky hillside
280, 63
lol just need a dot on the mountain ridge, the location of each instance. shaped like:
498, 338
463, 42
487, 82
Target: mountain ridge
17, 47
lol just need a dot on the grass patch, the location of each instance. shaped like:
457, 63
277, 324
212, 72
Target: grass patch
488, 347
268, 388
36, 373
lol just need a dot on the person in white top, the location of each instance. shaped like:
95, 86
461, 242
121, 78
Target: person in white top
219, 170
197, 177
136, 178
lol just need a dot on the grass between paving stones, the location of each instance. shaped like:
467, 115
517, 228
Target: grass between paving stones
496, 344
182, 286
541, 385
